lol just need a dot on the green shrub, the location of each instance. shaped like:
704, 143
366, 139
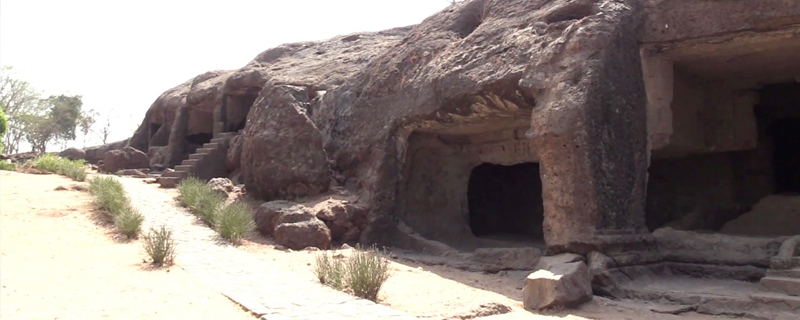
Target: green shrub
330, 271
234, 221
201, 199
109, 195
189, 190
129, 222
55, 164
159, 245
364, 272
8, 166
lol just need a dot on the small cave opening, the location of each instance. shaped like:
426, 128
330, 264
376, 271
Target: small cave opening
505, 202
154, 129
753, 191
237, 108
197, 140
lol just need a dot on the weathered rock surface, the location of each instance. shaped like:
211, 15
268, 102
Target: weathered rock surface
774, 215
550, 261
222, 185
115, 160
282, 152
267, 215
496, 259
234, 158
73, 154
300, 235
603, 281
138, 159
97, 153
344, 220
693, 247
564, 285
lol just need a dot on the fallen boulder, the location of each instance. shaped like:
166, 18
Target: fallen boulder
138, 159
564, 285
115, 160
301, 235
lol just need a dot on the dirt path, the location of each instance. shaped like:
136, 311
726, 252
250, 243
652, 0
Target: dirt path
56, 263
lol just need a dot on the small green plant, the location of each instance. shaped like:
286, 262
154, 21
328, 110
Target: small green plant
55, 164
367, 270
189, 190
8, 166
363, 272
234, 221
329, 270
160, 246
109, 195
201, 199
129, 222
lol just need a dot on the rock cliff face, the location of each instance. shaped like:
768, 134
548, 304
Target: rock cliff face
403, 119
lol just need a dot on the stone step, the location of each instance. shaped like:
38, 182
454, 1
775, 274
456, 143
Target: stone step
168, 182
218, 140
210, 145
790, 273
184, 168
790, 286
196, 156
778, 301
204, 150
175, 174
190, 162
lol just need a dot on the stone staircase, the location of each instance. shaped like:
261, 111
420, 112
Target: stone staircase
781, 286
207, 162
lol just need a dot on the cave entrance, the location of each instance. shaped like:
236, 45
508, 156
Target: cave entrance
236, 111
785, 136
505, 202
752, 188
154, 127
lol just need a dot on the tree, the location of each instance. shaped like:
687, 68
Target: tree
40, 121
3, 126
18, 99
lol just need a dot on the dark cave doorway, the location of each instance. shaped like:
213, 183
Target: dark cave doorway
505, 202
236, 110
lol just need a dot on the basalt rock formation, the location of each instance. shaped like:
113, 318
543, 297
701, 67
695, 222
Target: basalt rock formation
571, 125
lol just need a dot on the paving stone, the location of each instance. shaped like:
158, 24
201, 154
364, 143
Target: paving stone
244, 277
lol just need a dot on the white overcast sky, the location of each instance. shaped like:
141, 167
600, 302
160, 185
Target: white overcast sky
120, 55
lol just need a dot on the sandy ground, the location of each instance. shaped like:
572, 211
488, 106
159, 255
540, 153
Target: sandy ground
57, 263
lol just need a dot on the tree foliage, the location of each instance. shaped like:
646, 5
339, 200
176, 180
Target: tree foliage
40, 121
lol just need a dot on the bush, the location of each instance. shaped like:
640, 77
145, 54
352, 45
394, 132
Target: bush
129, 222
330, 271
189, 190
109, 195
234, 221
159, 245
364, 272
55, 164
200, 199
8, 166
